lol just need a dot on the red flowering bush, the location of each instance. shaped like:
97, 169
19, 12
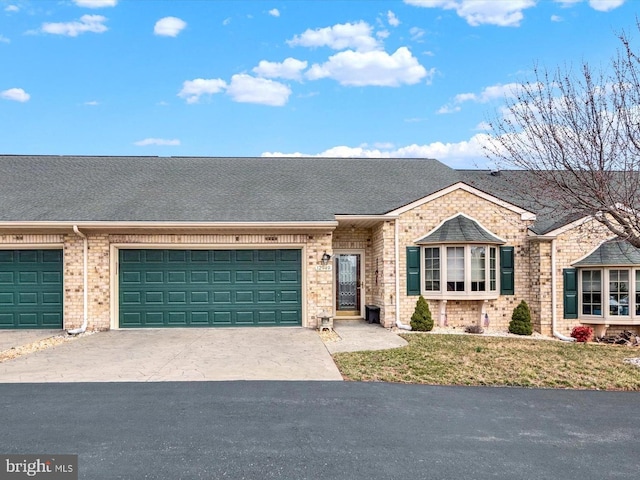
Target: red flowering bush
582, 334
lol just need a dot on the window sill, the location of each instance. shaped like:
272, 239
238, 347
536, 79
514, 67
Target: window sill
609, 320
461, 296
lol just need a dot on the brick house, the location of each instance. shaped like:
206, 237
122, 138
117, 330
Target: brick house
136, 242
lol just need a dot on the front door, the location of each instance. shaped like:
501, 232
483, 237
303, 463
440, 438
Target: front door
348, 284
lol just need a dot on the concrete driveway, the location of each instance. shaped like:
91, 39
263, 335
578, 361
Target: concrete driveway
179, 355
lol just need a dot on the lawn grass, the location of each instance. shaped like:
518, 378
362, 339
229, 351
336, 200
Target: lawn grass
474, 360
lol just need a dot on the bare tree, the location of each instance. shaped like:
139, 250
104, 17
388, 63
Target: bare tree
577, 136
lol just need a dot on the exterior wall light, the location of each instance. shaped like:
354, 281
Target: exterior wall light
325, 258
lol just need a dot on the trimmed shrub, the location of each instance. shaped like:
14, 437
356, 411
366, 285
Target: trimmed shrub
582, 334
421, 320
473, 329
521, 320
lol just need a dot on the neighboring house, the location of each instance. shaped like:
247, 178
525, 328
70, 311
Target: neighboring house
136, 242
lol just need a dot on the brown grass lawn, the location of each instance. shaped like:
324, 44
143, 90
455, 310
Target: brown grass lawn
475, 360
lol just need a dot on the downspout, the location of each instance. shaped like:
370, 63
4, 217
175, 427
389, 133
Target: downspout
399, 324
85, 285
556, 334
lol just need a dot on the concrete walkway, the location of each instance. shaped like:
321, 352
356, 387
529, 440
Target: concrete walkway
203, 354
16, 338
179, 355
358, 335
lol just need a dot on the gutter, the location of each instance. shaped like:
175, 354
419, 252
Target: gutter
85, 285
398, 323
556, 334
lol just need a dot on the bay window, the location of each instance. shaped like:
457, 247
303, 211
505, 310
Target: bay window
610, 293
460, 271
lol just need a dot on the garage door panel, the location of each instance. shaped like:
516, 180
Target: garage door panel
200, 318
154, 277
265, 296
31, 288
212, 287
199, 297
52, 278
244, 276
223, 276
266, 276
221, 318
221, 297
199, 276
177, 277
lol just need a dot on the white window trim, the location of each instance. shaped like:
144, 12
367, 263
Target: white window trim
467, 294
606, 318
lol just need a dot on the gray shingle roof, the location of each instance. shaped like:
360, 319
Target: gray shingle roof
189, 189
460, 229
613, 252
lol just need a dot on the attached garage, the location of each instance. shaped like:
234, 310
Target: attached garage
201, 288
31, 289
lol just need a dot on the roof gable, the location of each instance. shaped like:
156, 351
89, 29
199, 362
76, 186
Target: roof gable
459, 229
615, 252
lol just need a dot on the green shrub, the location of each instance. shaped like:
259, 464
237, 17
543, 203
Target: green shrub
421, 320
521, 320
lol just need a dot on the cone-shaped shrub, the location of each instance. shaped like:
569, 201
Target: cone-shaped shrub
521, 320
421, 320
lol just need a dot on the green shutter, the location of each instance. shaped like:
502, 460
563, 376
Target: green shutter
413, 270
570, 280
507, 279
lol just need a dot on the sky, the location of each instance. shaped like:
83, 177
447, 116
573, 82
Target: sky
313, 78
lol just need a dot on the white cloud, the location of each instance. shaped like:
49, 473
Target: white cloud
600, 5
4, 39
556, 18
274, 12
375, 68
465, 153
605, 5
96, 3
338, 37
226, 21
416, 33
382, 34
443, 110
169, 26
92, 103
483, 127
247, 89
192, 90
290, 69
158, 141
11, 8
87, 23
483, 12
15, 94
494, 92
392, 19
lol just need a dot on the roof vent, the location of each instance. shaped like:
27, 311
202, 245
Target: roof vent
495, 173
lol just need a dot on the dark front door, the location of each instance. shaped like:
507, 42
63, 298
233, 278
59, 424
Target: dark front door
348, 284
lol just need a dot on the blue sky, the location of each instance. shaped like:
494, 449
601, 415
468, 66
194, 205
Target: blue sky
359, 78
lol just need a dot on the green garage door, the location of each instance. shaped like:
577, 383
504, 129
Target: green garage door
30, 289
193, 288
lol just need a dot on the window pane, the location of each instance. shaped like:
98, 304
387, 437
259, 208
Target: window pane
478, 268
455, 269
591, 292
619, 292
432, 269
492, 269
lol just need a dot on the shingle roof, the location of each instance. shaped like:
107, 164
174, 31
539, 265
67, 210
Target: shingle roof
459, 229
612, 253
189, 189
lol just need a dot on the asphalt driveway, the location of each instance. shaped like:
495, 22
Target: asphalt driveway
179, 355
